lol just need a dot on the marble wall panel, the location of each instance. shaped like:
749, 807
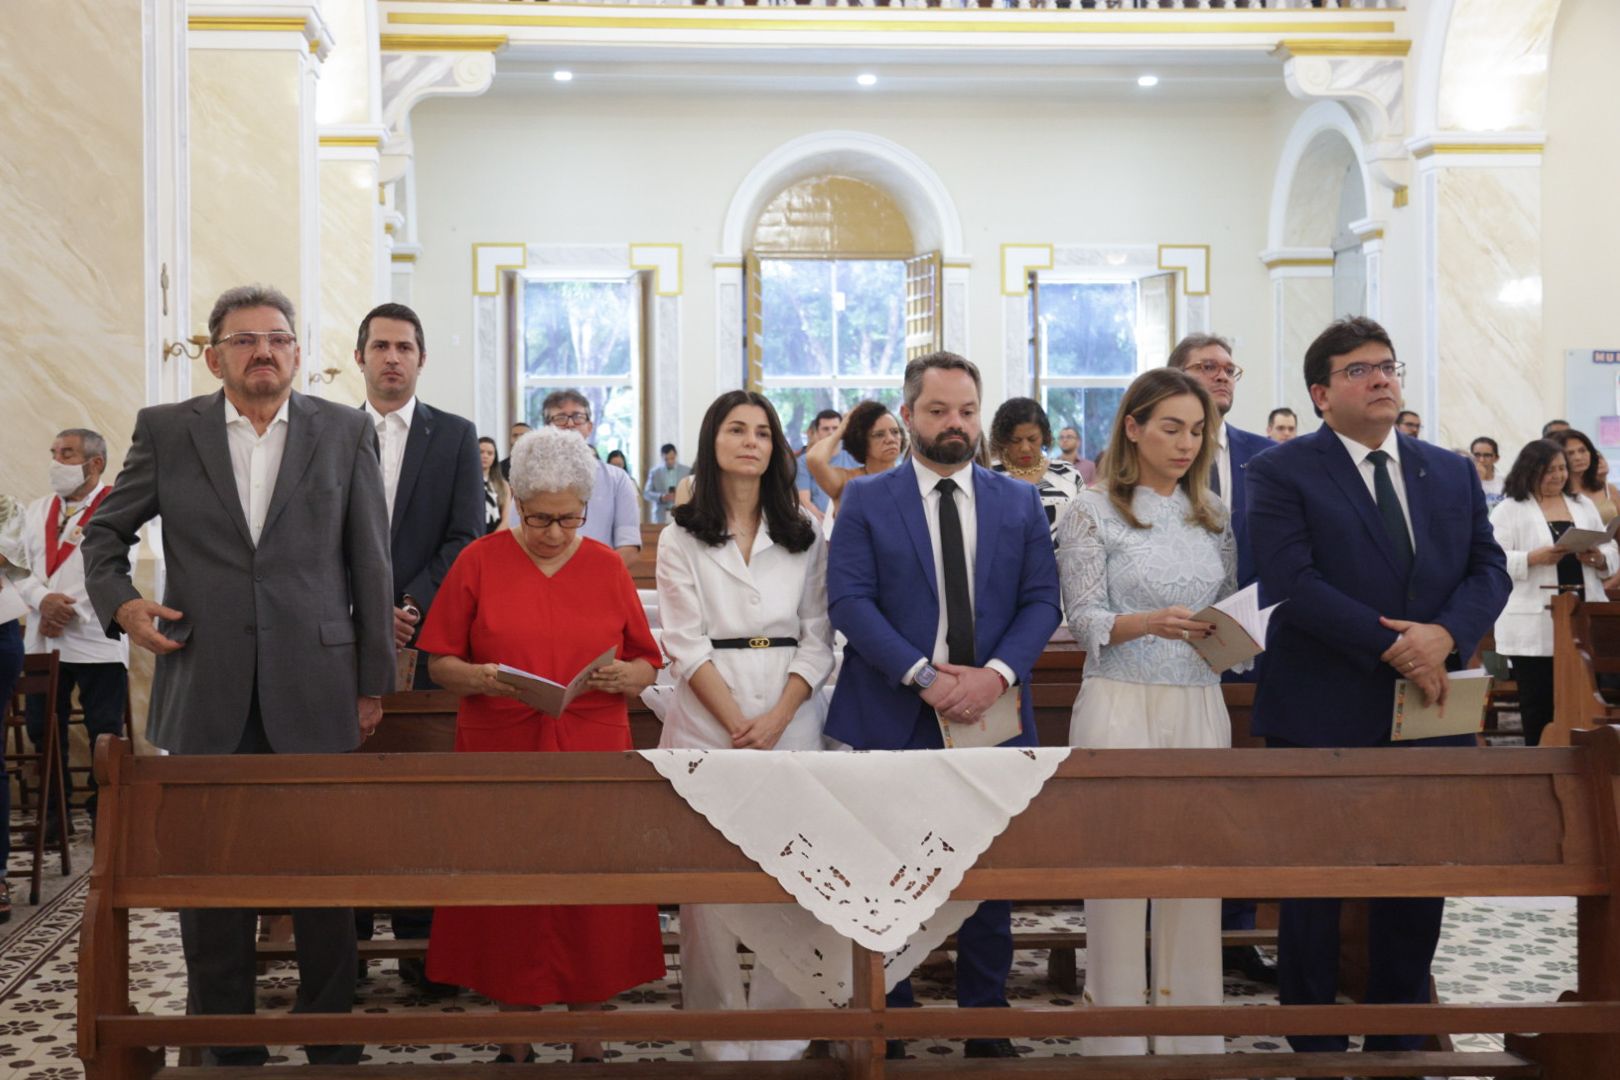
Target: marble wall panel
1488, 306
1307, 308
1494, 76
245, 178
345, 88
348, 269
71, 265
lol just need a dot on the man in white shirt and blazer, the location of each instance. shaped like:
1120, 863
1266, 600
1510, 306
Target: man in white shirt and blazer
275, 634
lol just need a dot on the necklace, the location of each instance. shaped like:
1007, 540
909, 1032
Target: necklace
1031, 473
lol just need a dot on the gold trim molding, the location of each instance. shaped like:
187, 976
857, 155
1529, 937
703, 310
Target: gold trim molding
402, 256
363, 142
1017, 260
1403, 196
1479, 148
667, 263
1194, 260
284, 24
482, 43
488, 262
1343, 47
1273, 264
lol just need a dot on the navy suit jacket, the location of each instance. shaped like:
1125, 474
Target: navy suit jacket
1321, 546
439, 504
1243, 446
883, 595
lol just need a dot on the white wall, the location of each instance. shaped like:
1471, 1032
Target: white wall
542, 166
1580, 194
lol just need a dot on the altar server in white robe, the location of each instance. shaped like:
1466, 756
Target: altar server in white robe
742, 596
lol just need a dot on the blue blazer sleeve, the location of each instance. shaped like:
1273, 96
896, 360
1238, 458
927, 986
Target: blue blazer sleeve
852, 589
1039, 601
1280, 530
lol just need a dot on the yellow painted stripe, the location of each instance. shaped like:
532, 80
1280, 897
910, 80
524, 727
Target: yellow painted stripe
246, 22
442, 42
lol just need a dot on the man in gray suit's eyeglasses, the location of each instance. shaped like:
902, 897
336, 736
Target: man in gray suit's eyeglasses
275, 632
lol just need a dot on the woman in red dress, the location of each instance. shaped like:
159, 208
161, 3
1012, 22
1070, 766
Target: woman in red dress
544, 599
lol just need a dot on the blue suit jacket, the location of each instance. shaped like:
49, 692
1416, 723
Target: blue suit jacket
1321, 546
1243, 446
883, 595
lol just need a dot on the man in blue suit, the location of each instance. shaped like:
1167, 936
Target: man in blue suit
941, 575
1208, 358
1381, 547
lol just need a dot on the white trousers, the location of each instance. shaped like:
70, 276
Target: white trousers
1186, 948
711, 978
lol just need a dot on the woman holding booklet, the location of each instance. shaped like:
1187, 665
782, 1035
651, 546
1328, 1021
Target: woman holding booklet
543, 600
742, 596
1139, 554
1539, 524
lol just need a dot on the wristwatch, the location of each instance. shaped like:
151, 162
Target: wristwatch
925, 676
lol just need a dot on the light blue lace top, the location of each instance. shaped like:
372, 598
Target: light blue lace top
1109, 568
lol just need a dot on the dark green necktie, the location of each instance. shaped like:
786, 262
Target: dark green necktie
1389, 508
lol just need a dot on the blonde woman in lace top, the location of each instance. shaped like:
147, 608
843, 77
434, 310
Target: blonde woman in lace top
1138, 554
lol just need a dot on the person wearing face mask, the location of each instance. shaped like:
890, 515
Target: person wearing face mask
1138, 554
61, 616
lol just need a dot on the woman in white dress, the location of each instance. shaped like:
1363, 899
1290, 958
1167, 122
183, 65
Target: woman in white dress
742, 594
1139, 554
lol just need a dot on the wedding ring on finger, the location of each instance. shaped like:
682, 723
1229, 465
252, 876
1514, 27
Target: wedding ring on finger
1186, 636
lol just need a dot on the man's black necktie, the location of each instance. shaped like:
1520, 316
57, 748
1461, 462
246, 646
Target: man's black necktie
958, 600
1389, 508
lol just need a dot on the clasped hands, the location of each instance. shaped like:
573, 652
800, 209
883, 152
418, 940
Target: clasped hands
55, 612
1419, 654
961, 694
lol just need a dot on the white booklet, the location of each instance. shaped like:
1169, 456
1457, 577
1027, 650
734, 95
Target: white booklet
1576, 541
1416, 717
1240, 629
1000, 722
544, 695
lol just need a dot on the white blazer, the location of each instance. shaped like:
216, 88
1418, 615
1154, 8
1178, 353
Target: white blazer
1525, 625
709, 592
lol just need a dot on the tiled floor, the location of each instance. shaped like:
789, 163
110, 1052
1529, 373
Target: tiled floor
1491, 950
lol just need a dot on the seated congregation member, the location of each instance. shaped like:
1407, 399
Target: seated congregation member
614, 515
1020, 436
871, 436
543, 598
743, 563
941, 575
1138, 555
61, 617
496, 491
274, 523
1539, 505
1379, 548
1588, 473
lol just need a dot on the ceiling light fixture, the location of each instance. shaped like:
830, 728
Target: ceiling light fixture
563, 76
866, 79
1148, 80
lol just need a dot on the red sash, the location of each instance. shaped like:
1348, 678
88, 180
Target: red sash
57, 550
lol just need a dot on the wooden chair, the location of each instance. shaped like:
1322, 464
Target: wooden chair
234, 832
36, 800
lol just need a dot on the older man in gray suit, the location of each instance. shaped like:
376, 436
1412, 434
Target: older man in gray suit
275, 634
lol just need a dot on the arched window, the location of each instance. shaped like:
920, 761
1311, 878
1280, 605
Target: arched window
838, 298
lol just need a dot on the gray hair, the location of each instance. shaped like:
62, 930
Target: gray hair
558, 398
1192, 343
90, 442
549, 460
936, 361
249, 296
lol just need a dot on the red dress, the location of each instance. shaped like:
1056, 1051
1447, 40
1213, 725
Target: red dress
495, 606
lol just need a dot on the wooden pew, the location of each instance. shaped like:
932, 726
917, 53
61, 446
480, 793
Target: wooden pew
302, 831
644, 569
1586, 645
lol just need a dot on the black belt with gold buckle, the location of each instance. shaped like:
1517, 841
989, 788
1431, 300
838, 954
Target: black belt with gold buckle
754, 643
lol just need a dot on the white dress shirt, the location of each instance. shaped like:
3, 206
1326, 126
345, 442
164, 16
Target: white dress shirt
928, 482
255, 462
1223, 463
1392, 447
393, 430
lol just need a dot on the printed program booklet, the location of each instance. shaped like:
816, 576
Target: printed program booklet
551, 698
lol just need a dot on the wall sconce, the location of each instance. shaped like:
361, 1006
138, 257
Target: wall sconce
178, 348
327, 376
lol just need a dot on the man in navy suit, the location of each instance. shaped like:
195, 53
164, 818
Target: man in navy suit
941, 575
1381, 548
435, 493
1208, 358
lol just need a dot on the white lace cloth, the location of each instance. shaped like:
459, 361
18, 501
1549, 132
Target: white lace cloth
870, 845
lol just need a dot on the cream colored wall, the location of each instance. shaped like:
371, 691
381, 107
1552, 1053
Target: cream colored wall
587, 168
1580, 179
348, 270
71, 272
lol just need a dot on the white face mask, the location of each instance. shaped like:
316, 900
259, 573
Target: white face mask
66, 479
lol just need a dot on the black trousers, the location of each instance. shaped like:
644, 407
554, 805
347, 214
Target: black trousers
1534, 674
220, 965
103, 690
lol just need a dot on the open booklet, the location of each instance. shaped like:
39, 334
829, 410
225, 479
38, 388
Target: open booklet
1416, 717
1000, 722
1576, 541
551, 698
1240, 629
